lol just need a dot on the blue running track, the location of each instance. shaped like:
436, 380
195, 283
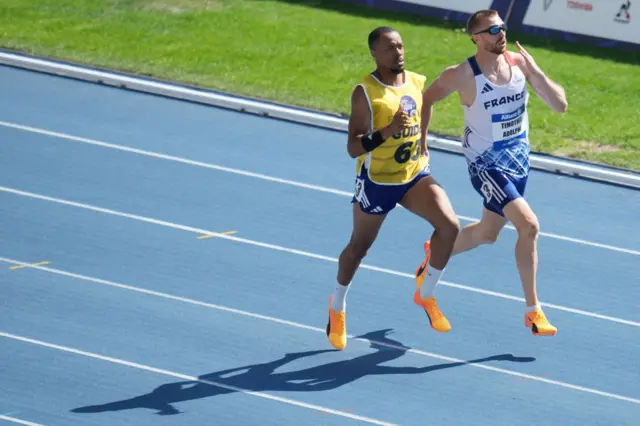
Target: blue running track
168, 263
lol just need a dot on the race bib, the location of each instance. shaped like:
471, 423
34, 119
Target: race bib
507, 127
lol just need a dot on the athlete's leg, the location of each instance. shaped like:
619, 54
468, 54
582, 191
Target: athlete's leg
525, 221
519, 212
365, 230
485, 231
504, 196
429, 201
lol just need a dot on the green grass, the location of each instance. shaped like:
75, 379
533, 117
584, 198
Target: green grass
311, 53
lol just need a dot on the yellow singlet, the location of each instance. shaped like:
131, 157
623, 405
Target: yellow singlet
398, 159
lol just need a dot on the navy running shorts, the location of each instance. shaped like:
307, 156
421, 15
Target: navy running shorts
498, 189
380, 199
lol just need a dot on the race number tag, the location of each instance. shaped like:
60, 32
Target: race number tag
507, 127
359, 191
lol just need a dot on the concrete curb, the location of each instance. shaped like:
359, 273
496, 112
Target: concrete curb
297, 115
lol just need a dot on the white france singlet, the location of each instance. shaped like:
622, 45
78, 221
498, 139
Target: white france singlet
497, 124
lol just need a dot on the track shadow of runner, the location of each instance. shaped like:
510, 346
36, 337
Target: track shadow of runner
263, 377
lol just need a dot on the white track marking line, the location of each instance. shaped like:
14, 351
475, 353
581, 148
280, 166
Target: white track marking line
192, 378
299, 252
270, 178
321, 330
19, 421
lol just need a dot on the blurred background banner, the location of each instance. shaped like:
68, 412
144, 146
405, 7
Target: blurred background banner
453, 10
606, 23
601, 22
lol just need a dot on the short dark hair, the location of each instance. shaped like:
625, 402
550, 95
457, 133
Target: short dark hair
374, 35
472, 22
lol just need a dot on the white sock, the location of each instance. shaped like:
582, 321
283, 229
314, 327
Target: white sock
428, 288
339, 300
532, 308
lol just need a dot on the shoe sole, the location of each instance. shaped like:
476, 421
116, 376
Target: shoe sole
536, 332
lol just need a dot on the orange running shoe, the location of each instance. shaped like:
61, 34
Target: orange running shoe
436, 319
421, 272
539, 324
336, 328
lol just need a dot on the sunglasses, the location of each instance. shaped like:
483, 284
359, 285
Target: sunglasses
494, 29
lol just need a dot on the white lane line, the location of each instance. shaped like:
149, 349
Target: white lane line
321, 330
193, 379
271, 178
19, 421
200, 231
162, 295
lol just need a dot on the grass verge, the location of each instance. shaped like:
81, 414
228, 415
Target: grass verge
311, 53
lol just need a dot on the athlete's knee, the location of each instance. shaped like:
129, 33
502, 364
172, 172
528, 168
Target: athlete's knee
488, 236
358, 248
529, 228
448, 228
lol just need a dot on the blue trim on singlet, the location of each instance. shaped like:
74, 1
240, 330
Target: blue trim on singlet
474, 65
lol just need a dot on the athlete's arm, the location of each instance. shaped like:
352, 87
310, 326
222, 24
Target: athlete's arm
359, 122
549, 91
443, 86
360, 138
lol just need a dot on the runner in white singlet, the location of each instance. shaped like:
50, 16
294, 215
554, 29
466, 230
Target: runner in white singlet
492, 86
497, 124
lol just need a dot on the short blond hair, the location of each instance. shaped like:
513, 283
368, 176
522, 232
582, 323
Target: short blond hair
472, 22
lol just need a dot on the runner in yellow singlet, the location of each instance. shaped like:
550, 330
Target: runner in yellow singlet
386, 136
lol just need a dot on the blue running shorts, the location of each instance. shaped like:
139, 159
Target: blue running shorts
380, 199
498, 189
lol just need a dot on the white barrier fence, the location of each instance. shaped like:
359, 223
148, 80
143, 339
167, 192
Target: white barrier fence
297, 115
